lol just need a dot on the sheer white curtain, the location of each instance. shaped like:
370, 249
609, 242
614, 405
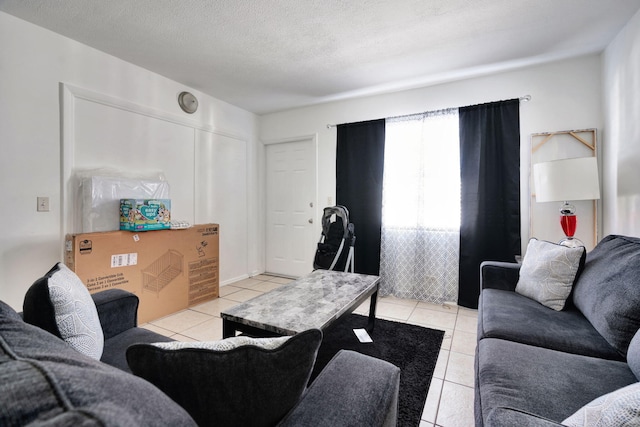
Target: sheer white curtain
421, 207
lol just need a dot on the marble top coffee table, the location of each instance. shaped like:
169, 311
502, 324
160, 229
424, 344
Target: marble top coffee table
312, 302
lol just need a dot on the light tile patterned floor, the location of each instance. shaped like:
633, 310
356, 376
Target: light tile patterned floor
450, 398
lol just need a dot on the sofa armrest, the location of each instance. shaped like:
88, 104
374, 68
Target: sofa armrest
353, 389
508, 417
117, 310
499, 275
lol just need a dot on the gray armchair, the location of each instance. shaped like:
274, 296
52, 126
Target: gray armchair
353, 389
118, 313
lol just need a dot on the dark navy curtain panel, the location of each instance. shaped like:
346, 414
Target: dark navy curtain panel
490, 181
359, 169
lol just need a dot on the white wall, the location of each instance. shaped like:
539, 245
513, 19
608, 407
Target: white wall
33, 63
565, 95
621, 154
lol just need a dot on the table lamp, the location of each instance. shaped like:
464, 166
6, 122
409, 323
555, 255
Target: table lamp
563, 181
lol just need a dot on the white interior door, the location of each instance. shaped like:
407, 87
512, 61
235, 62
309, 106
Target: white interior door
290, 203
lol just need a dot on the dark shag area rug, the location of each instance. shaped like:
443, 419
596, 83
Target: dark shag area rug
414, 349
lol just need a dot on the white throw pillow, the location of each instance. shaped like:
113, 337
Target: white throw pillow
75, 312
548, 272
620, 408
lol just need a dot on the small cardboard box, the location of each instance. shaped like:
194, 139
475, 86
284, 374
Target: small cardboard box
169, 270
145, 214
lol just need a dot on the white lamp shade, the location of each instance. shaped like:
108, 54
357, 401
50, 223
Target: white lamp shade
566, 180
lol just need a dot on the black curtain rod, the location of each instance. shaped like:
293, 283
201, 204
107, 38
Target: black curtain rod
525, 98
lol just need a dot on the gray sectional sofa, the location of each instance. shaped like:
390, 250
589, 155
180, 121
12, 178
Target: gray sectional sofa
44, 381
536, 366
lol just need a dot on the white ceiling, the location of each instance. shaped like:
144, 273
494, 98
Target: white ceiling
271, 55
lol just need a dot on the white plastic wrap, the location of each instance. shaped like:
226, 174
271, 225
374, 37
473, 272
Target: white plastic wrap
101, 191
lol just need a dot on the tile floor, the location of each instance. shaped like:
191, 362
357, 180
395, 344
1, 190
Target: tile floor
450, 398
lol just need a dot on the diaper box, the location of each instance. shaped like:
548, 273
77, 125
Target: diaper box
145, 214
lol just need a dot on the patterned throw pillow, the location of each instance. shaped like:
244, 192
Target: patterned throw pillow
226, 344
60, 303
618, 408
549, 271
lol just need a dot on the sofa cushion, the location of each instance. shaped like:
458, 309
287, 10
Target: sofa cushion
633, 354
618, 408
549, 271
9, 313
115, 348
44, 381
61, 304
608, 290
509, 417
511, 316
272, 379
353, 389
554, 384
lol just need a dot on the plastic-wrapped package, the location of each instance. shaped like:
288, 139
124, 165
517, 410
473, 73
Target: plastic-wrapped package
101, 191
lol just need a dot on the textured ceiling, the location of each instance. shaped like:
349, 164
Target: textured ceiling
270, 55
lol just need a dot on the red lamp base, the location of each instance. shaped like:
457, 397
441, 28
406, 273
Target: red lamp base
569, 223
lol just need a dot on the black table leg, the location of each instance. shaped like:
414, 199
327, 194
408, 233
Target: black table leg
228, 329
372, 312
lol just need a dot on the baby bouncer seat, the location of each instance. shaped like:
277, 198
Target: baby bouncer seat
336, 246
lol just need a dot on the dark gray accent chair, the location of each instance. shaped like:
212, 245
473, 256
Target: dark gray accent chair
536, 366
46, 381
118, 313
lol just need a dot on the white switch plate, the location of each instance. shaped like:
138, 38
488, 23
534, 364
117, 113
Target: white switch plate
43, 204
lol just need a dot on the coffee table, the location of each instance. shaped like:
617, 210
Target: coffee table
314, 301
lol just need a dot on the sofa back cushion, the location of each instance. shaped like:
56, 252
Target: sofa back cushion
608, 290
240, 380
46, 382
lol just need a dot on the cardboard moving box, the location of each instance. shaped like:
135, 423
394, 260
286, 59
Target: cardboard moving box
169, 270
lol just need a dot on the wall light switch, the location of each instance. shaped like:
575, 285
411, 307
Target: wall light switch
43, 204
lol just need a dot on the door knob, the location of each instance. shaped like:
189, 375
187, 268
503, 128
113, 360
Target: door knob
310, 220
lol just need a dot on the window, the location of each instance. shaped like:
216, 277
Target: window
421, 207
421, 185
